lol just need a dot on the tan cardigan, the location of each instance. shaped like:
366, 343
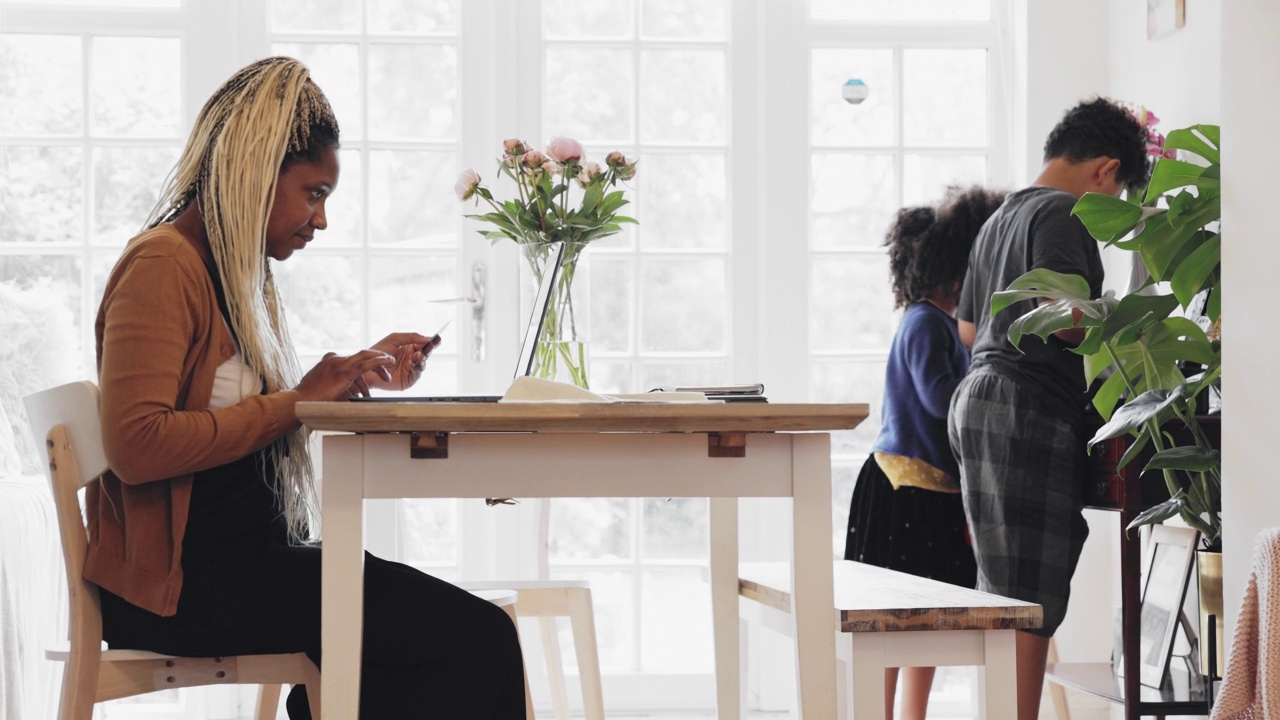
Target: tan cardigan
160, 339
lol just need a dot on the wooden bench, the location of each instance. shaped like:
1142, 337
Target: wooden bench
886, 618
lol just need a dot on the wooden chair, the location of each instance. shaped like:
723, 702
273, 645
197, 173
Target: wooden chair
67, 416
547, 600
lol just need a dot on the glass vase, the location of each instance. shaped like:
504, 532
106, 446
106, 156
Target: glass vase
562, 350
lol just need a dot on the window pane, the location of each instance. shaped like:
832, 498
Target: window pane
103, 3
613, 602
324, 301
401, 288
852, 199
675, 529
682, 96
669, 289
944, 99
40, 85
589, 529
52, 280
610, 296
411, 200
703, 20
850, 381
587, 19
699, 372
302, 16
335, 67
898, 10
41, 197
836, 122
588, 95
344, 210
685, 201
413, 92
136, 88
851, 302
608, 376
126, 186
925, 178
437, 17
675, 622
428, 531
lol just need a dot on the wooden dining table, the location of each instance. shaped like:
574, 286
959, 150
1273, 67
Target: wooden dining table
721, 451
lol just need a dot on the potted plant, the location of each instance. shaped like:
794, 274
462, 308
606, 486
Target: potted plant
1152, 338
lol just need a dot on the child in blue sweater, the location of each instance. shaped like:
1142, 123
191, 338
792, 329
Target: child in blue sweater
906, 513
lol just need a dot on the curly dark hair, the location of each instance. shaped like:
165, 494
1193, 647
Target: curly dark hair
929, 246
1102, 128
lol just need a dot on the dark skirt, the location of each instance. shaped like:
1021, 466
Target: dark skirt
921, 532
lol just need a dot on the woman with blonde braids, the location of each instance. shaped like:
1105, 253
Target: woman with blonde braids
197, 534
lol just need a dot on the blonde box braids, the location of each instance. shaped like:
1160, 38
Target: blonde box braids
229, 168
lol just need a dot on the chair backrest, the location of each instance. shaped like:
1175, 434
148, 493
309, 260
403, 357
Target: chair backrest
65, 421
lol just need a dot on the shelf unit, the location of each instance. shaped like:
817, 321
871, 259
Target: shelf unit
1128, 492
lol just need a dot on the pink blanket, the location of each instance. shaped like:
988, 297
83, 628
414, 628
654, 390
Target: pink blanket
1251, 685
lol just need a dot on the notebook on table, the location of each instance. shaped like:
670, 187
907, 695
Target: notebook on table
532, 332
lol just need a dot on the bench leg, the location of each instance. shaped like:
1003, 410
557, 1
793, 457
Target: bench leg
723, 530
867, 670
998, 695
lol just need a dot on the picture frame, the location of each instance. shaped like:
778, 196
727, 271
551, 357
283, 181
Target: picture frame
1166, 574
1164, 17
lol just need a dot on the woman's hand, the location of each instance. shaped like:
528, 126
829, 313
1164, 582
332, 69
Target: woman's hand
337, 377
410, 351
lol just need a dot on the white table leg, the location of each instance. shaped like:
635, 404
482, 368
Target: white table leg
723, 521
811, 581
342, 575
998, 693
869, 658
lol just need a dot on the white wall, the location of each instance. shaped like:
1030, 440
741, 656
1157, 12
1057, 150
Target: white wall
1251, 491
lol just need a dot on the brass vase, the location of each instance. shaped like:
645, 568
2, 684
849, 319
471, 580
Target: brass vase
1209, 572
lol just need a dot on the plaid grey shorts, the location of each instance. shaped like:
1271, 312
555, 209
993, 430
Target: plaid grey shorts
1022, 475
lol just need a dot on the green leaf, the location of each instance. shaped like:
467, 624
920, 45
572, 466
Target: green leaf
1160, 242
1195, 270
1041, 283
1189, 457
1172, 174
1190, 139
1154, 404
592, 196
1159, 513
1107, 218
1108, 395
1137, 312
1213, 308
1135, 448
1042, 321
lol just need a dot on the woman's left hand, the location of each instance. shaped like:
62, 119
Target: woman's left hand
410, 351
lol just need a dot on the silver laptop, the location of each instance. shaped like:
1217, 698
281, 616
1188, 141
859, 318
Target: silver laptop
532, 332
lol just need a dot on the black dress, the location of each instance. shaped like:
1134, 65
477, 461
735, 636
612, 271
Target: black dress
916, 531
431, 649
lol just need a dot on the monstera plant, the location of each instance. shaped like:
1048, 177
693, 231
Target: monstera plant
1160, 342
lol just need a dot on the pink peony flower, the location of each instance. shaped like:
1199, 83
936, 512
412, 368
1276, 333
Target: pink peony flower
550, 167
616, 159
533, 159
565, 150
590, 171
514, 146
467, 183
